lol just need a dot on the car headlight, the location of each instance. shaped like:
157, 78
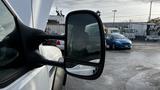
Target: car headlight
130, 42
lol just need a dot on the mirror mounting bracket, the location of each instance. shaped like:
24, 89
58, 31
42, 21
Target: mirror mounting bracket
36, 58
51, 37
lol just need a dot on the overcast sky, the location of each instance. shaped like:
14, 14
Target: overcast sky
134, 10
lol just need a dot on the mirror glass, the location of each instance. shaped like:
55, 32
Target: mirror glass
83, 44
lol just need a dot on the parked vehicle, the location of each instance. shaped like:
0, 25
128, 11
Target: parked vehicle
60, 44
152, 37
26, 64
129, 33
112, 30
119, 41
51, 42
92, 31
153, 32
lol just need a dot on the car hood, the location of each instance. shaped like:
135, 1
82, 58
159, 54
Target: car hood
123, 40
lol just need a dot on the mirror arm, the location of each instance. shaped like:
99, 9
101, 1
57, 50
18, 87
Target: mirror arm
53, 63
58, 37
35, 58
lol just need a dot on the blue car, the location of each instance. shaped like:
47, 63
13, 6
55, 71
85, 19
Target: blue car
118, 41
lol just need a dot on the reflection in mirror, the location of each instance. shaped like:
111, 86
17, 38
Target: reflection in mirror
82, 70
83, 43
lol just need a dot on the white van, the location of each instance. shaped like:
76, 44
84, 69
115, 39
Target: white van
129, 33
112, 30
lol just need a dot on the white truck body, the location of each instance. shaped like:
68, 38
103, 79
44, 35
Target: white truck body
33, 13
140, 29
112, 30
129, 33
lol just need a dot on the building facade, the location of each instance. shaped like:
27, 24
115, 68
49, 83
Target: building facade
56, 24
138, 28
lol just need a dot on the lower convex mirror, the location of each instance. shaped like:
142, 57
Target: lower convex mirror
84, 45
80, 69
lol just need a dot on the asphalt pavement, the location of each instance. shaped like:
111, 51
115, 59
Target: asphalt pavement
135, 69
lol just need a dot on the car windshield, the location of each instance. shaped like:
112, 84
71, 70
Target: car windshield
114, 31
132, 64
118, 36
7, 23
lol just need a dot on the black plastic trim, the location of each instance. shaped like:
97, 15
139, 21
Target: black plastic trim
11, 78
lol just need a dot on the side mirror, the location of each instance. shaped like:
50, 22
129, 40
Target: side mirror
84, 45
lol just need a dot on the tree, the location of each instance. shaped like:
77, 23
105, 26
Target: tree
98, 13
155, 20
154, 26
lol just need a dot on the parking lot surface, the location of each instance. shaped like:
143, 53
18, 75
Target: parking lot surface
135, 69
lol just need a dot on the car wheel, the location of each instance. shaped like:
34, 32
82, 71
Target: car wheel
129, 48
113, 46
110, 46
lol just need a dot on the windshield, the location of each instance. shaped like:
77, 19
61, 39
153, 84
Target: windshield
118, 36
7, 23
114, 31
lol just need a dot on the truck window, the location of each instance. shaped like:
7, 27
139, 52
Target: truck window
7, 23
7, 54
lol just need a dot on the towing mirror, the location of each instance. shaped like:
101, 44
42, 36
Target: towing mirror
84, 45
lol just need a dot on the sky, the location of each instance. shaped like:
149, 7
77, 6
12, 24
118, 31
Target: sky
127, 10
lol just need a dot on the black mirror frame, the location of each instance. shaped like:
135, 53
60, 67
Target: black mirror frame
102, 59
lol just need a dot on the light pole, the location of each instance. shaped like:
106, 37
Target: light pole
150, 11
114, 16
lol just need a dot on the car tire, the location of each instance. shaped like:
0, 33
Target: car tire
110, 46
113, 46
129, 48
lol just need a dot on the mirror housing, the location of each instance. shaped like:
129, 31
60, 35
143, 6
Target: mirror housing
84, 45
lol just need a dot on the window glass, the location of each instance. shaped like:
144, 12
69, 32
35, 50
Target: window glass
7, 23
8, 51
118, 36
